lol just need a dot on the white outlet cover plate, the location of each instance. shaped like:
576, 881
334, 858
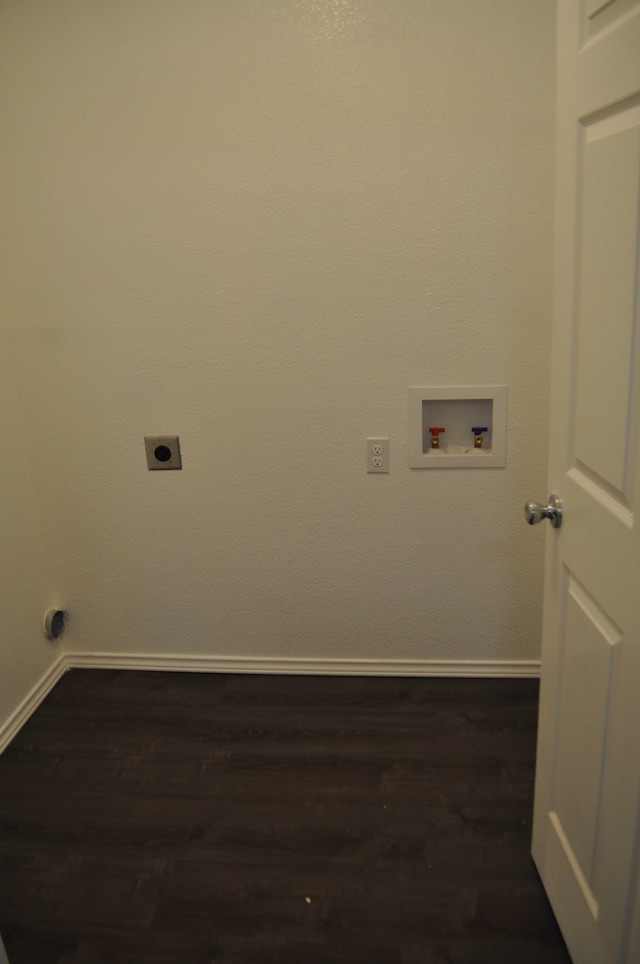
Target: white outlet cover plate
377, 455
164, 444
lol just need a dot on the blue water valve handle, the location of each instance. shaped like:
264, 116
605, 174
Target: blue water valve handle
477, 431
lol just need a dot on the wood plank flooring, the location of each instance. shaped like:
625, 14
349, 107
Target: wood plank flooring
199, 818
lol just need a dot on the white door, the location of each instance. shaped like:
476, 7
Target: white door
586, 836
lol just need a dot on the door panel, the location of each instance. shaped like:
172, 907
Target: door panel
586, 839
590, 643
607, 298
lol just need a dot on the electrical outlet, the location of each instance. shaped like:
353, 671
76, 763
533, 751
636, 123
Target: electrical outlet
377, 455
163, 452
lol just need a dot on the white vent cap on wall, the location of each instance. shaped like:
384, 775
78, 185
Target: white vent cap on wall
54, 623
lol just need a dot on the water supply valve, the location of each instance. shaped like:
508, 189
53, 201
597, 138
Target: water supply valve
477, 434
435, 437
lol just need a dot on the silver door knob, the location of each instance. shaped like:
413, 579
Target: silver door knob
535, 513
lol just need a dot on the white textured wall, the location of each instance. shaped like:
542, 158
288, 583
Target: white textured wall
255, 223
25, 654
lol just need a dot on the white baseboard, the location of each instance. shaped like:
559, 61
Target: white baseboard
32, 701
252, 664
319, 667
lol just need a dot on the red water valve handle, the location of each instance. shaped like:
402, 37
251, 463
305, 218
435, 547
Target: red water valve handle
436, 431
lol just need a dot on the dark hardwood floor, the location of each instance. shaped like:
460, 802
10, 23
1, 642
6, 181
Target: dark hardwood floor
186, 818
